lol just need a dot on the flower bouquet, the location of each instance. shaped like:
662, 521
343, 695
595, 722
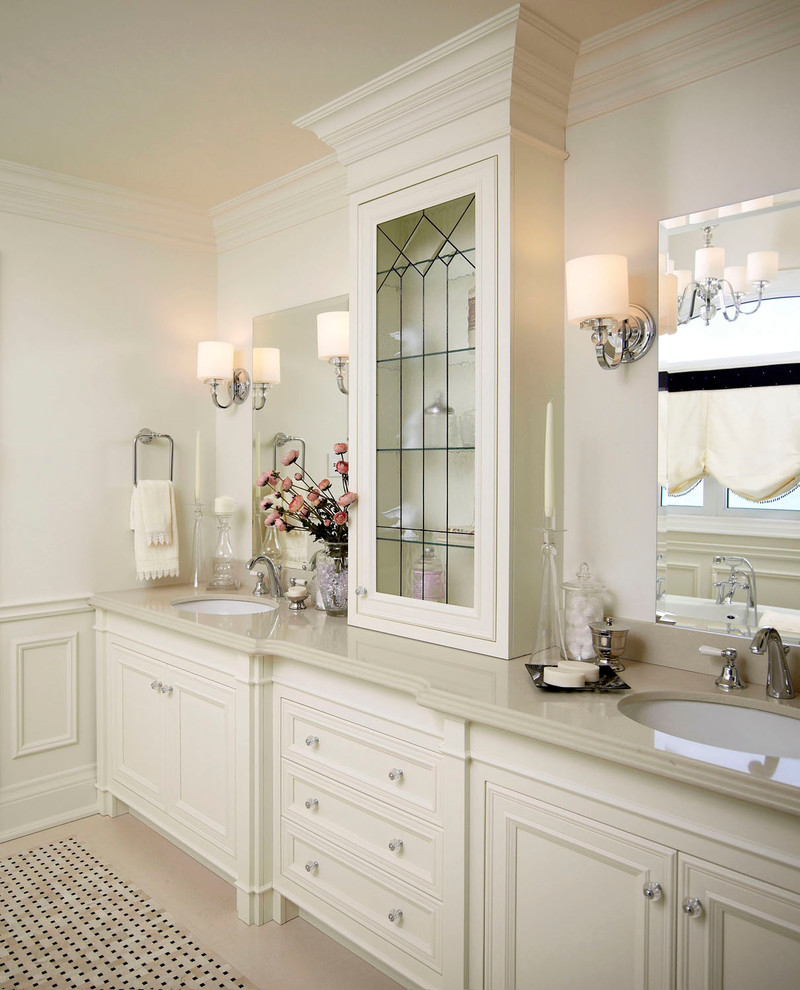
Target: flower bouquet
299, 502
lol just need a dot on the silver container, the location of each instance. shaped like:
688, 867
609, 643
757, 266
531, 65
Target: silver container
609, 639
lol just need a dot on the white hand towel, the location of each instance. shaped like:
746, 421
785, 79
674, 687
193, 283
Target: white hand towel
154, 559
157, 503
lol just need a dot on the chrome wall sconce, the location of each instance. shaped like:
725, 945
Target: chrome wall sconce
266, 373
333, 343
215, 368
597, 300
716, 287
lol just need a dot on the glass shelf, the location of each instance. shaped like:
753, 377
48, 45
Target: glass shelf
430, 537
427, 354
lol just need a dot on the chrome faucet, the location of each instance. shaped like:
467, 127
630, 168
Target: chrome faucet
779, 680
275, 589
741, 578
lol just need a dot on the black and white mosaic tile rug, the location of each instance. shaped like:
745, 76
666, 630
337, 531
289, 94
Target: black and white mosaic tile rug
68, 921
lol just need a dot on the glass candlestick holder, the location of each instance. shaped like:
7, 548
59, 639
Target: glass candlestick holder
222, 562
548, 645
198, 549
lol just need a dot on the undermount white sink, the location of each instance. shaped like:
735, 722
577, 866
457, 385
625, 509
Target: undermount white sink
723, 724
223, 606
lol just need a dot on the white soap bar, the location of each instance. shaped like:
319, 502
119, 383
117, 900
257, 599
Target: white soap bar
563, 678
590, 671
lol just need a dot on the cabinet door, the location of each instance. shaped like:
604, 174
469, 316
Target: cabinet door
137, 727
742, 933
201, 755
426, 408
564, 901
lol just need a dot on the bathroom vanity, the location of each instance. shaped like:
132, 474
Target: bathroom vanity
438, 814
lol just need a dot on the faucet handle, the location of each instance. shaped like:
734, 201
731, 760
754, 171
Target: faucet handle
730, 679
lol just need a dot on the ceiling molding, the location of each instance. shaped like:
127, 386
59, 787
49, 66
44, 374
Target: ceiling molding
683, 43
512, 71
51, 196
305, 194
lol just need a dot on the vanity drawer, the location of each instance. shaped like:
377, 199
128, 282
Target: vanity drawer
352, 820
385, 906
389, 769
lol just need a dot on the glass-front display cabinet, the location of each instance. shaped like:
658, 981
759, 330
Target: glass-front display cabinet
426, 408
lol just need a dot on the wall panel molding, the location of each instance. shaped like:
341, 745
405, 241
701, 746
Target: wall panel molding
44, 609
46, 801
42, 195
675, 46
27, 740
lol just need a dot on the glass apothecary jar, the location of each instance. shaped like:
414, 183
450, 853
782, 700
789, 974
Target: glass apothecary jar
583, 604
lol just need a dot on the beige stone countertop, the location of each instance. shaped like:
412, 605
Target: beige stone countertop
496, 693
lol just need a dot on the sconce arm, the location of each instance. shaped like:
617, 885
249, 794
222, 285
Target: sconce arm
630, 339
238, 389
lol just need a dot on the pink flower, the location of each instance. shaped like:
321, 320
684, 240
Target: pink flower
266, 501
280, 524
324, 484
290, 458
313, 498
342, 467
347, 499
273, 479
303, 513
298, 476
340, 518
286, 484
327, 522
296, 504
340, 448
262, 479
272, 517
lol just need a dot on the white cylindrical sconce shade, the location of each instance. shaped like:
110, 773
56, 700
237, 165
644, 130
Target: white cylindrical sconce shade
762, 266
737, 276
597, 287
709, 262
214, 360
267, 365
684, 277
333, 335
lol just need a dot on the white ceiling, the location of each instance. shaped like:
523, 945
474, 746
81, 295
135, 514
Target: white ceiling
193, 100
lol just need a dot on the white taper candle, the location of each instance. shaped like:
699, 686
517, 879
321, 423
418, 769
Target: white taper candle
197, 467
549, 498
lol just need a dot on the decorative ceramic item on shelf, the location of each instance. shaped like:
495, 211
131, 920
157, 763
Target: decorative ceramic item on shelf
583, 604
299, 502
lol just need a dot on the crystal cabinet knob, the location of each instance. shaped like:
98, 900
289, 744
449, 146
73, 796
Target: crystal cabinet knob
396, 916
312, 740
312, 803
396, 844
154, 686
361, 591
692, 906
311, 865
395, 774
653, 891
167, 689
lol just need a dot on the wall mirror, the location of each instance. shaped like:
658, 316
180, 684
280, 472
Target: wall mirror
729, 418
306, 407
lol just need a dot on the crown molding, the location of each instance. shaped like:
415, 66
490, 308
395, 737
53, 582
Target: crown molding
305, 194
42, 195
513, 71
680, 44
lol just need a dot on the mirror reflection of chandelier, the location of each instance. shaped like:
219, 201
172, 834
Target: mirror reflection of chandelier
717, 288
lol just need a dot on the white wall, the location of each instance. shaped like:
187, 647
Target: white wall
626, 171
287, 268
97, 339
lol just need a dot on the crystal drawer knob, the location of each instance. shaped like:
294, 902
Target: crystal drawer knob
167, 689
312, 740
311, 865
653, 891
312, 803
361, 591
692, 907
396, 844
396, 916
154, 685
395, 774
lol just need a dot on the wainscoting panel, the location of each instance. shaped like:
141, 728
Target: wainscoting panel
47, 715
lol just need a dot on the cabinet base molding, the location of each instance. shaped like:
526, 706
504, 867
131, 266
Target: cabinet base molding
48, 801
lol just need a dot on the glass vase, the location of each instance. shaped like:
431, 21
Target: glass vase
331, 567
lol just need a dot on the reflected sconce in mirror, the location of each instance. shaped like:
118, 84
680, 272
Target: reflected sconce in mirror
597, 300
266, 373
333, 343
215, 368
720, 288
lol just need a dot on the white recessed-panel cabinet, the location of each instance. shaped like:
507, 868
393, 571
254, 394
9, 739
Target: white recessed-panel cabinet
426, 410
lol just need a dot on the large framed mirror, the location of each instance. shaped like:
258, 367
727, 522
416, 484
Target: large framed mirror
306, 411
729, 418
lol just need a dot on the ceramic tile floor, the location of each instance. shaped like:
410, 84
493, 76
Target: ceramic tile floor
294, 956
